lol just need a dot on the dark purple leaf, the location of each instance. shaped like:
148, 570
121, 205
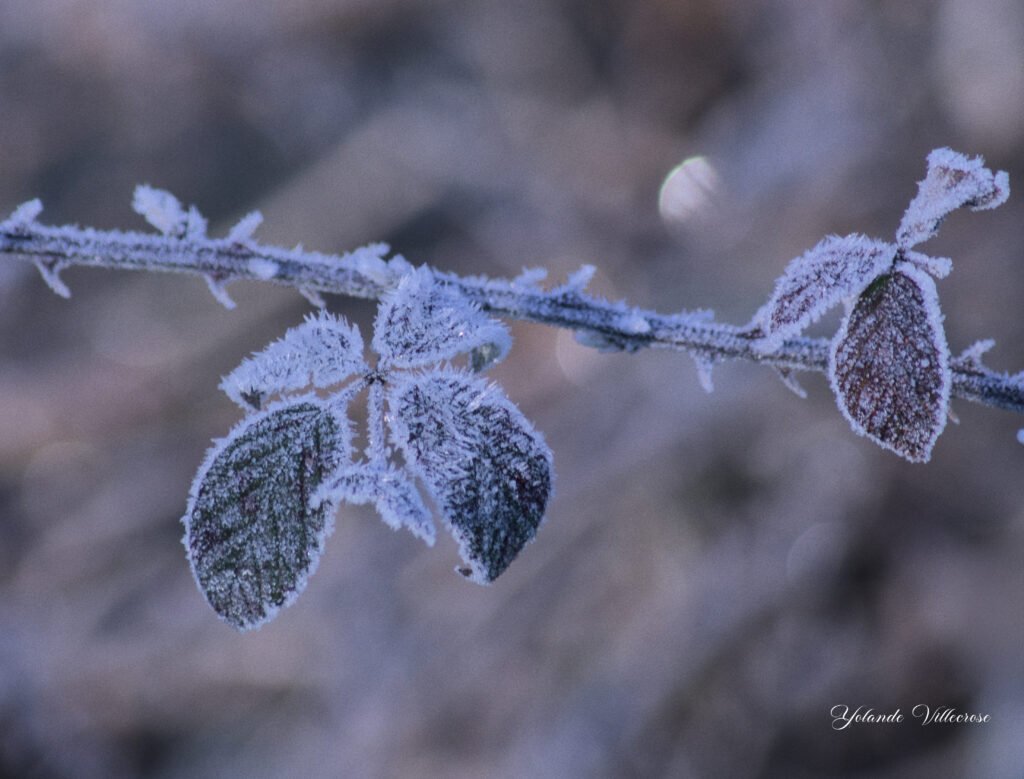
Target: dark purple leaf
889, 364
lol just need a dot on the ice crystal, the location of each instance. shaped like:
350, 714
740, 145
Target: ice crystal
253, 533
324, 350
889, 364
245, 228
486, 467
162, 210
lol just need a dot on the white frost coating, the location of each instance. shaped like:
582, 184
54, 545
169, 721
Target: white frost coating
953, 181
422, 322
397, 501
579, 279
219, 289
972, 354
50, 271
1020, 436
596, 340
313, 296
24, 215
322, 351
939, 267
530, 278
634, 323
195, 224
788, 379
244, 230
262, 268
162, 210
836, 269
704, 365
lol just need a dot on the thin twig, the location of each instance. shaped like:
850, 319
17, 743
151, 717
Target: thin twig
365, 273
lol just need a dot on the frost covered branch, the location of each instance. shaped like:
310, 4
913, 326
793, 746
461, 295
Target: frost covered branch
183, 246
263, 502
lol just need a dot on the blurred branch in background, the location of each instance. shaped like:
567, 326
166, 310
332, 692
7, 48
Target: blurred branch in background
716, 572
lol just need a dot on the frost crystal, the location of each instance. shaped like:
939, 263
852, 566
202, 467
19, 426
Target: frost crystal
244, 230
162, 210
421, 322
834, 270
486, 467
253, 533
953, 181
889, 364
50, 271
24, 215
322, 351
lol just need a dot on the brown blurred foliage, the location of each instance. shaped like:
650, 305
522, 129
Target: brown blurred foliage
716, 571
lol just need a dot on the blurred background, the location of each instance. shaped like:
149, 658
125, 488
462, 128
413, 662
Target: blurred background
716, 572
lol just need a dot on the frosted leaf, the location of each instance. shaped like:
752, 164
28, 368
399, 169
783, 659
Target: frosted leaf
252, 532
836, 269
245, 228
422, 322
488, 470
162, 210
397, 501
50, 271
953, 181
218, 286
889, 364
322, 351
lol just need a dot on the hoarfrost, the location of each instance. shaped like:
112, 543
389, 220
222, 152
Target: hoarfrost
953, 181
939, 267
218, 287
23, 215
252, 530
322, 351
162, 210
786, 377
50, 271
488, 470
397, 501
245, 228
889, 364
836, 269
263, 269
634, 323
422, 322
